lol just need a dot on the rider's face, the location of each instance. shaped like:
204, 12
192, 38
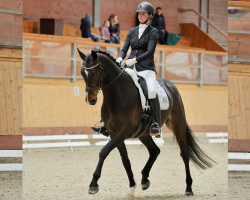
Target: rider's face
142, 16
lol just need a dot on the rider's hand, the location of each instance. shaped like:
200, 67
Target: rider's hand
130, 62
119, 60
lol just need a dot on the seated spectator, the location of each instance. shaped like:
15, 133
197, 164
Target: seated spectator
159, 23
114, 29
86, 28
104, 30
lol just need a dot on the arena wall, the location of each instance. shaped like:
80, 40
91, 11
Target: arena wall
10, 67
11, 91
60, 111
239, 107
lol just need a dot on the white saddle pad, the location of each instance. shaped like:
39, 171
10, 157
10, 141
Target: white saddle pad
163, 98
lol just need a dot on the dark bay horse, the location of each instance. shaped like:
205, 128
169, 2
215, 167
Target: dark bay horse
121, 111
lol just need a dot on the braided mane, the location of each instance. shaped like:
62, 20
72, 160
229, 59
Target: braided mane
109, 56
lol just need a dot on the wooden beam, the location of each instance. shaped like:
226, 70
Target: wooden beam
13, 142
243, 4
10, 53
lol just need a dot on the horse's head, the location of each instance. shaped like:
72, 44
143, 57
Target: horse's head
92, 73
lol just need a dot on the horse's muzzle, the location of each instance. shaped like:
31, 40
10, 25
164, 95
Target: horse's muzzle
91, 99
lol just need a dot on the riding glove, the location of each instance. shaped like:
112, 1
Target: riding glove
130, 62
119, 60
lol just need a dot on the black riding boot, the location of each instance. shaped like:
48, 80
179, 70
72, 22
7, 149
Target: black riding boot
155, 129
100, 129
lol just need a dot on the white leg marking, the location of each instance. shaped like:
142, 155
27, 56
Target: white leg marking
131, 194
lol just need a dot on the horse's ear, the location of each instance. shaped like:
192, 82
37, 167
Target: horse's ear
81, 54
94, 54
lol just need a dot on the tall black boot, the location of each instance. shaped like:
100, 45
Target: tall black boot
155, 129
100, 129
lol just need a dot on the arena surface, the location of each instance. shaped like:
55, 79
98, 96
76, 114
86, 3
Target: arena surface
10, 185
64, 174
239, 185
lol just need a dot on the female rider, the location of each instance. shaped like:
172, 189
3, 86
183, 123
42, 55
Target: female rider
143, 40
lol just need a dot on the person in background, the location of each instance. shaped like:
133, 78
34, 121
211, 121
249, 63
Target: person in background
86, 28
160, 24
104, 30
114, 29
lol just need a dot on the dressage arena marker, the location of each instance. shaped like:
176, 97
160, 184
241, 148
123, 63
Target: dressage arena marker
11, 154
68, 143
239, 156
55, 144
220, 137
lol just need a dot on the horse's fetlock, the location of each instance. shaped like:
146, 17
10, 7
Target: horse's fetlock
157, 152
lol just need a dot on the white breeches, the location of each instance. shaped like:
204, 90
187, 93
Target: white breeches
150, 78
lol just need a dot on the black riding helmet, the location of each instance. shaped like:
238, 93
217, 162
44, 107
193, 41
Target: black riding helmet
146, 7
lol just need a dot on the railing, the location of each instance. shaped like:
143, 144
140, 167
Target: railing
35, 56
205, 19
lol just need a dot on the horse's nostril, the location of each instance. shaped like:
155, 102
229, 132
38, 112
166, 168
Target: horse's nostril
93, 101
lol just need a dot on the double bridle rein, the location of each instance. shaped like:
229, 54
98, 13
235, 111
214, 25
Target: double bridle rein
102, 74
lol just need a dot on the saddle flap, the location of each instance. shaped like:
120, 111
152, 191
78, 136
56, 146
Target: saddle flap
143, 85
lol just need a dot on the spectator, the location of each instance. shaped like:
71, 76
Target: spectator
104, 30
160, 24
114, 29
86, 28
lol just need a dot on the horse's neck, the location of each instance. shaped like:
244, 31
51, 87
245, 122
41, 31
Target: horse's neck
111, 71
116, 86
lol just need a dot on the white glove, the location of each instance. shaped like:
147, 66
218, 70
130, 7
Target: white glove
119, 60
130, 62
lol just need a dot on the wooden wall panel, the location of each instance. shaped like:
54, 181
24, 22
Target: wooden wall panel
10, 94
239, 107
55, 105
238, 45
52, 106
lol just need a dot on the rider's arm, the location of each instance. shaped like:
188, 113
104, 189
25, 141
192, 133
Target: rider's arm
126, 45
151, 46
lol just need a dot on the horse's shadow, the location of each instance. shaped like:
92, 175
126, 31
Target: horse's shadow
167, 197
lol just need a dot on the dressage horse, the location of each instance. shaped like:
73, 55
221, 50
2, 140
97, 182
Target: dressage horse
121, 112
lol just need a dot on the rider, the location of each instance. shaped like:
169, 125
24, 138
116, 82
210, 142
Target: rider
143, 40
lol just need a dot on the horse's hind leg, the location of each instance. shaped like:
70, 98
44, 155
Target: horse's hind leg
154, 151
179, 129
126, 163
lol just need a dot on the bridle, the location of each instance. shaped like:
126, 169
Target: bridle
91, 89
102, 74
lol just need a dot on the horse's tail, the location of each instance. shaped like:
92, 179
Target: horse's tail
195, 153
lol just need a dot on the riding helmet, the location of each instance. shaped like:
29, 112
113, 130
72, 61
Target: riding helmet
145, 7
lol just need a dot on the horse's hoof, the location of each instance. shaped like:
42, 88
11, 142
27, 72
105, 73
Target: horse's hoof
145, 186
130, 196
93, 190
189, 194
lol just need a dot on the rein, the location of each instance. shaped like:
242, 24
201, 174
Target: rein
113, 80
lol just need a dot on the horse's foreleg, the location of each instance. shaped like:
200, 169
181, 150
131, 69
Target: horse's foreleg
126, 163
114, 142
154, 151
